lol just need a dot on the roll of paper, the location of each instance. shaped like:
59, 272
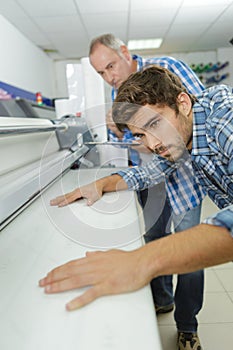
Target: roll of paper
95, 112
66, 107
74, 76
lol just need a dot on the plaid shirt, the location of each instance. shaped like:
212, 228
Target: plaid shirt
183, 188
209, 169
181, 69
223, 218
212, 151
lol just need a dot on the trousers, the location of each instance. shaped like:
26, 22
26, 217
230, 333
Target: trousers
188, 292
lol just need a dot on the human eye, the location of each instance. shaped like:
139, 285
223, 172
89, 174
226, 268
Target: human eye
154, 124
138, 137
111, 65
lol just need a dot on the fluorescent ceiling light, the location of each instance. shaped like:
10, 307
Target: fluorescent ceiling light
144, 44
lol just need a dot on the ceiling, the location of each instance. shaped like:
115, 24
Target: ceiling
64, 28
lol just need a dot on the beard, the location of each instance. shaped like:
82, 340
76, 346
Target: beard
173, 151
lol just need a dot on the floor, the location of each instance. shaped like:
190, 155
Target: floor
216, 317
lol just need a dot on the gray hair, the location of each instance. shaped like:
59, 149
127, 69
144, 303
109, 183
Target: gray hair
108, 40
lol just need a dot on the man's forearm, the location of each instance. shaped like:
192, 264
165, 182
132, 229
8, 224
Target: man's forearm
112, 183
199, 247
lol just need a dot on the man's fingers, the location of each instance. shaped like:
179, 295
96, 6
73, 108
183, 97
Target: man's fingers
57, 200
66, 199
70, 283
91, 192
65, 271
86, 298
61, 201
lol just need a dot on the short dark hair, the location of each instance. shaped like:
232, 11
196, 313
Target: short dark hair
153, 85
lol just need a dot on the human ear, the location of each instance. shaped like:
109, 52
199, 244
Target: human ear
125, 52
184, 103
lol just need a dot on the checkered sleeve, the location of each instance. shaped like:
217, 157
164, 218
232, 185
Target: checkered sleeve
139, 178
224, 136
223, 218
189, 79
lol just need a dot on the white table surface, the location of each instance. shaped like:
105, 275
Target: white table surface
43, 237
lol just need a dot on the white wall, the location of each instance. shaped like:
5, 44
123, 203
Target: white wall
24, 65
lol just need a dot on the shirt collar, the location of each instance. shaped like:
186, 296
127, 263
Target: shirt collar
139, 61
200, 144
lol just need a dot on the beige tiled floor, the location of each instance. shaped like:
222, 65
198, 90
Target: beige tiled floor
216, 317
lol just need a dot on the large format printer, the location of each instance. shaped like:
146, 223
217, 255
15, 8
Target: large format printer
37, 164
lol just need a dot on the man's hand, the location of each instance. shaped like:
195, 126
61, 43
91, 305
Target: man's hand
110, 272
92, 192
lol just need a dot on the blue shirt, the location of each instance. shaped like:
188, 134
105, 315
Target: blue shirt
212, 151
189, 79
182, 70
183, 187
209, 168
224, 218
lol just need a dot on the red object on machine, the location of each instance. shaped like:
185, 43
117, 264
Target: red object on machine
39, 100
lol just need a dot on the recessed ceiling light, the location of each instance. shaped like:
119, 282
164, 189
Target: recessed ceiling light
144, 44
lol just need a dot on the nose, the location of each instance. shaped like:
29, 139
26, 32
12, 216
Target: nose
109, 78
151, 141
